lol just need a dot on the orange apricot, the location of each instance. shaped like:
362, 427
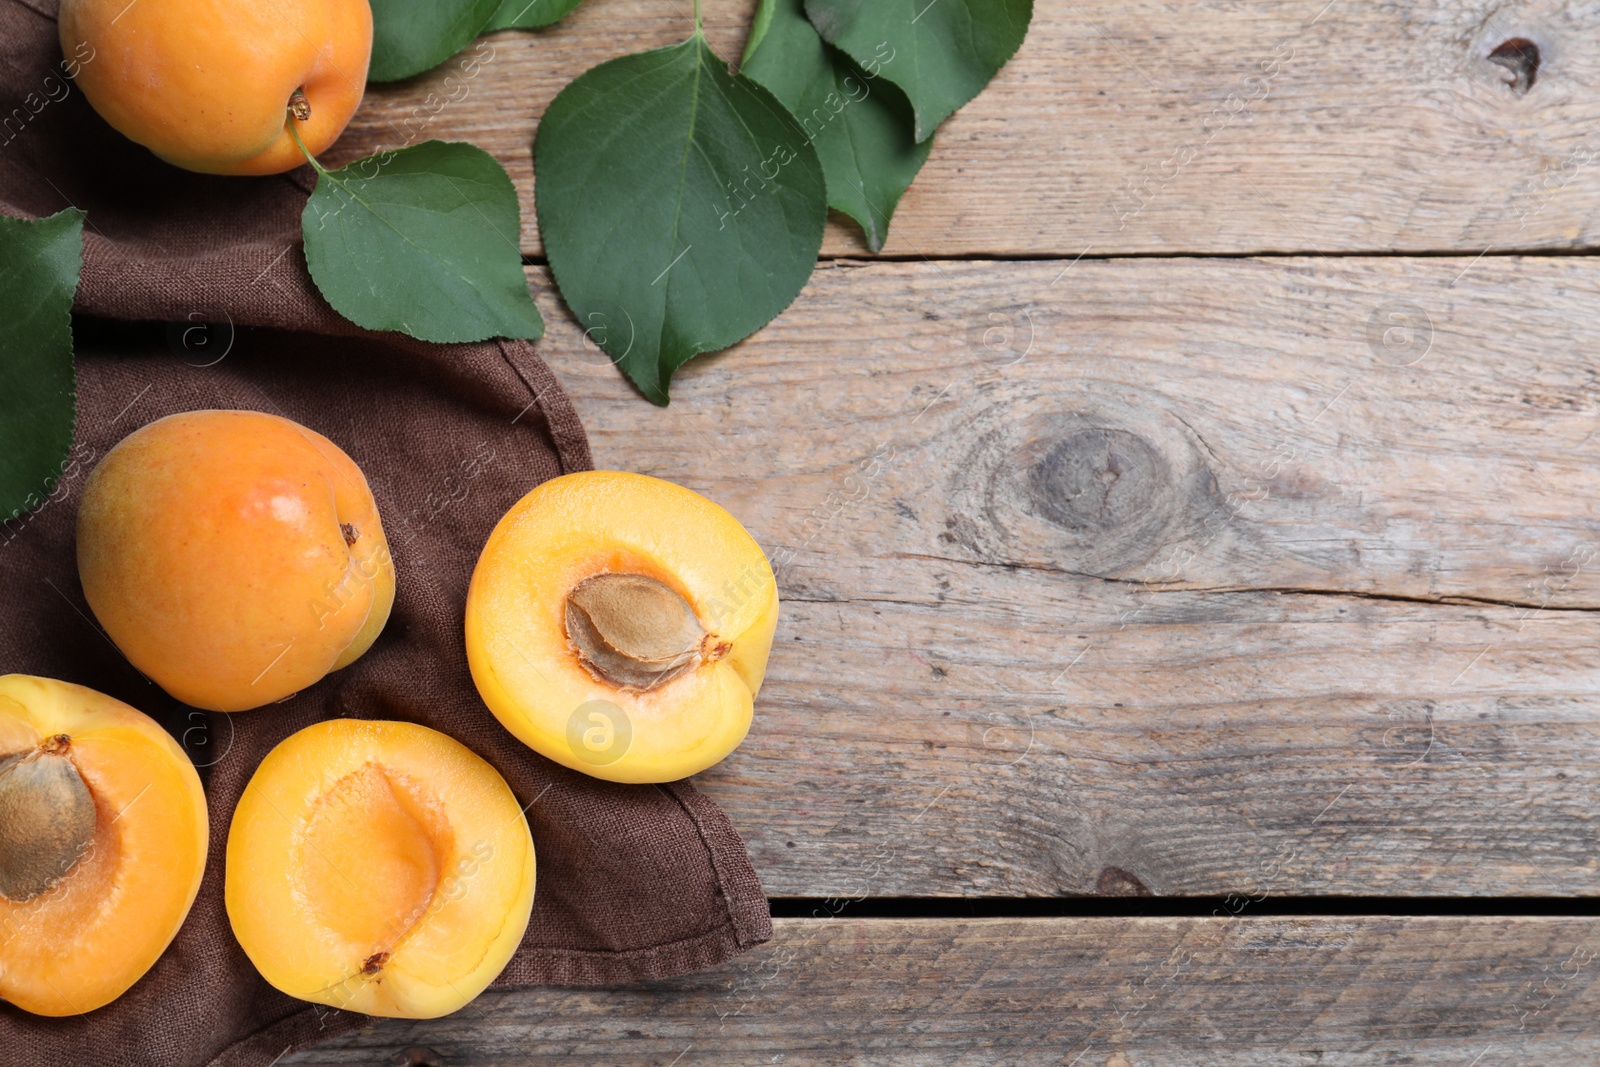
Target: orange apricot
620, 625
379, 867
207, 85
234, 557
102, 844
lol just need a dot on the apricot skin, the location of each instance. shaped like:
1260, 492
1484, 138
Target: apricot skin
379, 867
531, 674
205, 84
84, 941
216, 549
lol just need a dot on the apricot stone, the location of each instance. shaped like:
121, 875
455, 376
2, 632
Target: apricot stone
620, 625
102, 844
234, 557
207, 84
379, 867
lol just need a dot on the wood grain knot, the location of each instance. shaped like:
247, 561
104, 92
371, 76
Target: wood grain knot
417, 1056
1100, 480
1098, 491
1116, 882
1520, 57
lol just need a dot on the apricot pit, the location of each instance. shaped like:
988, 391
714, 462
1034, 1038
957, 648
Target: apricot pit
46, 818
634, 632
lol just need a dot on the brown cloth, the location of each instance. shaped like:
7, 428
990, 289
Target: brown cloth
635, 882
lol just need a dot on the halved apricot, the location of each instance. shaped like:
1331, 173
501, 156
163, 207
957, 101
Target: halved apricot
620, 625
379, 867
102, 844
234, 557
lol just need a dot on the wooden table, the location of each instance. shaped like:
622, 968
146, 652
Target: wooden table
1197, 498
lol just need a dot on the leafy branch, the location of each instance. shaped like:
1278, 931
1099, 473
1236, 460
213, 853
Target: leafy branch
681, 204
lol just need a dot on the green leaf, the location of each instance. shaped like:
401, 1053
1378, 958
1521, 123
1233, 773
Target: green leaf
423, 240
529, 14
411, 36
860, 125
680, 208
941, 52
39, 265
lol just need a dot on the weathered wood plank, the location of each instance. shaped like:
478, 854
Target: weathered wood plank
1148, 126
1210, 588
1436, 992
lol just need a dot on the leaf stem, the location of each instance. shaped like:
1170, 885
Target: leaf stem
697, 27
295, 133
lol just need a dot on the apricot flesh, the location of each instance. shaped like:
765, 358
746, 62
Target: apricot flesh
234, 557
379, 867
103, 841
206, 84
620, 625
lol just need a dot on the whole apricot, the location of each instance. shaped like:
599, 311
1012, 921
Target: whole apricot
208, 85
102, 844
379, 867
620, 625
234, 557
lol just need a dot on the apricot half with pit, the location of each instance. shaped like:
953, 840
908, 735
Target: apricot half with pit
379, 867
209, 85
234, 557
620, 625
102, 844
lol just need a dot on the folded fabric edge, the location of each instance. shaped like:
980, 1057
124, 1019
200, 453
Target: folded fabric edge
546, 392
743, 897
747, 919
289, 1034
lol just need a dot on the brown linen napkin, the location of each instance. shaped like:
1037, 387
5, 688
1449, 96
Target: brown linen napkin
635, 882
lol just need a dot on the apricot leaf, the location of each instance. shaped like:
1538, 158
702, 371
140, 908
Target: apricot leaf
411, 36
860, 124
529, 14
941, 52
424, 241
680, 208
39, 265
